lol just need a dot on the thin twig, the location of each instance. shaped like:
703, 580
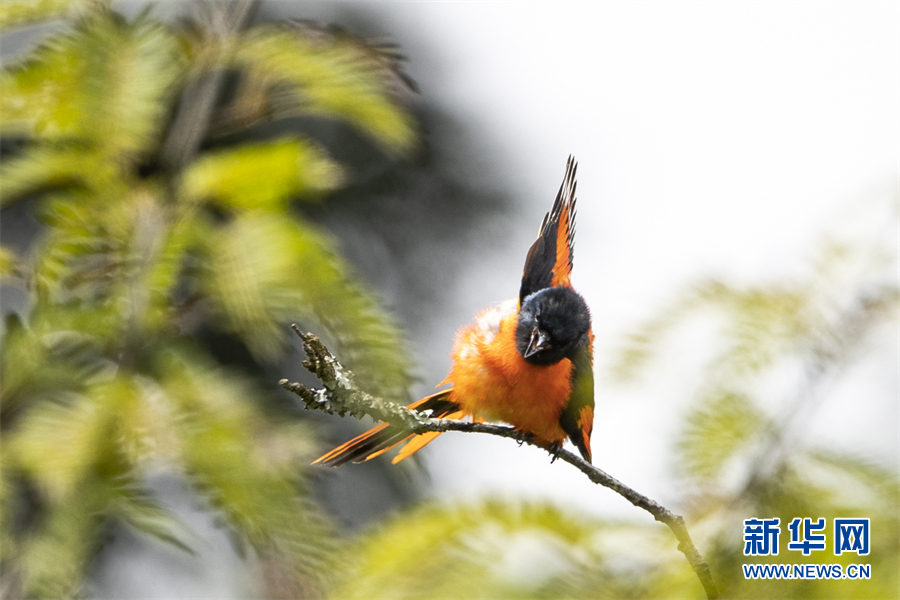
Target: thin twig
340, 396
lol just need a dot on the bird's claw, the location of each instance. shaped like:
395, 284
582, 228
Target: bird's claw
555, 449
522, 437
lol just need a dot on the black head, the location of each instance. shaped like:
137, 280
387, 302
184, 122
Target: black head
551, 324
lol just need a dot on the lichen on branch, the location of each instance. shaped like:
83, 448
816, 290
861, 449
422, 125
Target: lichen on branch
340, 396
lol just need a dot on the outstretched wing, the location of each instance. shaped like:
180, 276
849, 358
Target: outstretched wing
577, 418
549, 261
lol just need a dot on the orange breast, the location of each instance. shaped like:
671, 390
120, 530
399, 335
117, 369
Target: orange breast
493, 382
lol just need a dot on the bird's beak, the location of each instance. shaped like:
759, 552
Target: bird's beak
539, 341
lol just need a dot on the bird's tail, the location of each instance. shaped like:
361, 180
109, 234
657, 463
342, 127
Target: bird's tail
382, 438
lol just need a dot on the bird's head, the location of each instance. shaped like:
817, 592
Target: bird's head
551, 323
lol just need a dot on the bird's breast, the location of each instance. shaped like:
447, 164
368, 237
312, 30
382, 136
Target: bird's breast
492, 381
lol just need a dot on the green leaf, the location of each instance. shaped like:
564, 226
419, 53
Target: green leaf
78, 258
107, 83
266, 271
10, 505
325, 75
37, 364
724, 423
18, 13
262, 176
47, 167
9, 262
250, 280
495, 549
368, 340
125, 255
162, 276
765, 323
82, 429
227, 455
760, 324
54, 558
639, 347
138, 510
860, 474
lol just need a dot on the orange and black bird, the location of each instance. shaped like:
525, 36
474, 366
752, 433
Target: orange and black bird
527, 362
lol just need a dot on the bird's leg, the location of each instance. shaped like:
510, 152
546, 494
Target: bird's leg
554, 449
523, 436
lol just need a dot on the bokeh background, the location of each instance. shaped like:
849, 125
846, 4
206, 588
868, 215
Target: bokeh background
180, 181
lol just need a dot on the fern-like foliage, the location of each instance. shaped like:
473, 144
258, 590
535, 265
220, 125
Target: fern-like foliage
508, 549
744, 451
339, 76
19, 13
102, 380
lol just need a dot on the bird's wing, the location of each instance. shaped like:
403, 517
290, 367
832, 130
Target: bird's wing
549, 261
577, 418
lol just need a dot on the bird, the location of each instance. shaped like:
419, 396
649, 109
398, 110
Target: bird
527, 362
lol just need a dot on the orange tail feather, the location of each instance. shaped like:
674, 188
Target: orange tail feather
420, 441
382, 438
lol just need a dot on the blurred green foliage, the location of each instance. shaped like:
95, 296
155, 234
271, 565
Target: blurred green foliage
495, 549
19, 13
147, 243
745, 451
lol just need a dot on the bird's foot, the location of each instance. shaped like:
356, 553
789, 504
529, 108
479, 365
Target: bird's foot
554, 450
522, 437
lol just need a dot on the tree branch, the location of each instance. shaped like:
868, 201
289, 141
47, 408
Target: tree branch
340, 396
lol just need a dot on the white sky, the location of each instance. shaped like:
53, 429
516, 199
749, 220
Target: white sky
714, 138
